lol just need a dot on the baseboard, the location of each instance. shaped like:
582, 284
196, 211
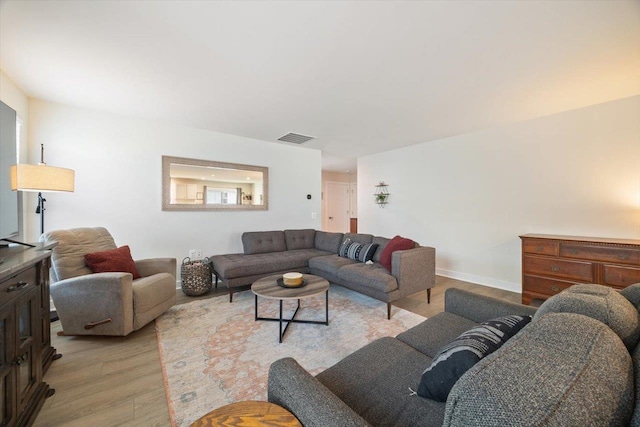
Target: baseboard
481, 280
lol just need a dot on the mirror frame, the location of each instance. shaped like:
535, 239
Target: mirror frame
166, 185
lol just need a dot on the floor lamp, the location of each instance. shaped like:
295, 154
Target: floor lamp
40, 177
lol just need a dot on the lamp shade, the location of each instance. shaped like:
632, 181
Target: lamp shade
25, 177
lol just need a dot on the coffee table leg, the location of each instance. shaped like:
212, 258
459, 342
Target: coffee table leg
256, 308
327, 309
280, 339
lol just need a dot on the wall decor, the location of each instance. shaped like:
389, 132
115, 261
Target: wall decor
381, 194
195, 185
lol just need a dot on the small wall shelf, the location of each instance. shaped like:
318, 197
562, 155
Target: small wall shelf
381, 194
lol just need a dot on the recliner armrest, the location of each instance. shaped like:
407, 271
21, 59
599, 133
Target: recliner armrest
293, 388
92, 298
150, 266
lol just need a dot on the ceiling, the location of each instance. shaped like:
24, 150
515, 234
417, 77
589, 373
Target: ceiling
362, 77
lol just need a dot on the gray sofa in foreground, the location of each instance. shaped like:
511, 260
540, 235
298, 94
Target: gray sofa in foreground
573, 365
316, 252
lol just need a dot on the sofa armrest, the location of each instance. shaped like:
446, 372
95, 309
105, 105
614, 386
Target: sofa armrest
93, 298
149, 267
481, 308
414, 269
293, 388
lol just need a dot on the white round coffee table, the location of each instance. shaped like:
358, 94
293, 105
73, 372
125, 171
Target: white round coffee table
268, 288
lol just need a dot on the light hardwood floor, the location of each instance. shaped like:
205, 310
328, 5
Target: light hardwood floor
108, 381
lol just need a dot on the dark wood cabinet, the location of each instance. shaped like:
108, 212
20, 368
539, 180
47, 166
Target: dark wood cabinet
25, 339
551, 263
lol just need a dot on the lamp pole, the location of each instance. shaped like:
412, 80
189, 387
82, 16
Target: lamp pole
40, 210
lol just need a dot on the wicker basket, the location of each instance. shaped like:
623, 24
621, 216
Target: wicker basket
196, 276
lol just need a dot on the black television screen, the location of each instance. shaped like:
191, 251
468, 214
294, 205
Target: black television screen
9, 224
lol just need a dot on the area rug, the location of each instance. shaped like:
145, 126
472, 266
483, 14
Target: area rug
214, 353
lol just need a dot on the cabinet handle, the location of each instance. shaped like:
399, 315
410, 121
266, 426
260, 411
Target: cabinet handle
555, 288
17, 286
623, 256
21, 359
574, 252
555, 268
539, 248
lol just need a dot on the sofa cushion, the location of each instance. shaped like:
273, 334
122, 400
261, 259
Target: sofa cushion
396, 244
300, 239
373, 277
260, 242
375, 380
329, 242
328, 264
601, 303
458, 356
573, 370
431, 335
112, 261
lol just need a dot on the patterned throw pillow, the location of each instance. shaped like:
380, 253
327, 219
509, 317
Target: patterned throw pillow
457, 357
357, 251
344, 247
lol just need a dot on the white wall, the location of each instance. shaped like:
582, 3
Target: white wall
118, 165
471, 196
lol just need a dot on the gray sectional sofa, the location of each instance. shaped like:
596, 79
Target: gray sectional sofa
573, 365
316, 252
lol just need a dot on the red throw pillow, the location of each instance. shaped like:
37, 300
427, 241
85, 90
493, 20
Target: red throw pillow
396, 244
113, 261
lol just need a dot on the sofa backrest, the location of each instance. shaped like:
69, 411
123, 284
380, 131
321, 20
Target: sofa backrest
575, 371
259, 242
329, 242
300, 239
359, 237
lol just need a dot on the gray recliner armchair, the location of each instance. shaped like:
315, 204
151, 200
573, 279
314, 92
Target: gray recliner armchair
105, 303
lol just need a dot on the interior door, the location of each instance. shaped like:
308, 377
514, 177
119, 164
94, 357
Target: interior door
353, 200
337, 194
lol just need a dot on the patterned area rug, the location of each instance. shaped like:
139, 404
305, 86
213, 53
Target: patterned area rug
214, 353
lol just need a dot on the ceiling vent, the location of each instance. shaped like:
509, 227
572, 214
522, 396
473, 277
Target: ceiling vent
296, 138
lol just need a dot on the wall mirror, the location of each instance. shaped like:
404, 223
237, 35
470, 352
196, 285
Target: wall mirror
196, 185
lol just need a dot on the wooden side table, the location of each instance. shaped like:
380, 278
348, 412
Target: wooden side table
249, 414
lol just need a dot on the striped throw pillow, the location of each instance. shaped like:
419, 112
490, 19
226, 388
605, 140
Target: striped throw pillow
358, 251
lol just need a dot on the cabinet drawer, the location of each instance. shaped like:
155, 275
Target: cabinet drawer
541, 285
11, 287
575, 270
621, 277
600, 253
540, 246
